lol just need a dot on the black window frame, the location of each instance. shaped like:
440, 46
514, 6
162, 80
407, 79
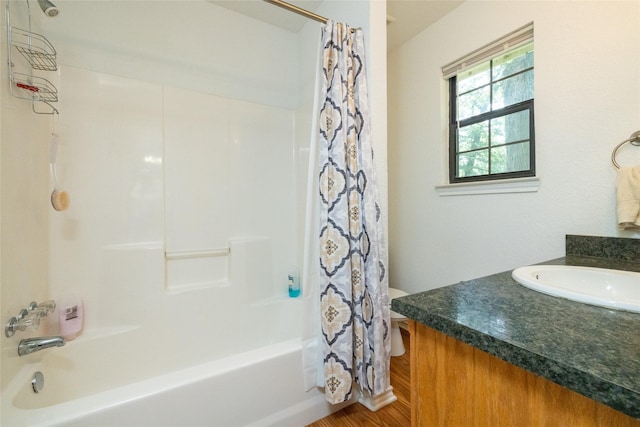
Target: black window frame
454, 124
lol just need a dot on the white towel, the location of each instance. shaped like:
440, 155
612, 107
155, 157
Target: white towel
628, 198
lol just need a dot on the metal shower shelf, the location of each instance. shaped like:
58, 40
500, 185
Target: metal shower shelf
35, 48
40, 55
34, 88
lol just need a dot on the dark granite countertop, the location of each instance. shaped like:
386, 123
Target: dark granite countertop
591, 350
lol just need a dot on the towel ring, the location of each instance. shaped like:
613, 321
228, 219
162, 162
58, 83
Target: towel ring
634, 139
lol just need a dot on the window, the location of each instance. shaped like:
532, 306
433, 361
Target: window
491, 122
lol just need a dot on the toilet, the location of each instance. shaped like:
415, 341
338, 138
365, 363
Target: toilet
397, 346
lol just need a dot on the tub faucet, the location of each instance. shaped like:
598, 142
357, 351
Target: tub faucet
31, 345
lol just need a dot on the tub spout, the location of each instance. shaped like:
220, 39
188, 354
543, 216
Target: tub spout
31, 345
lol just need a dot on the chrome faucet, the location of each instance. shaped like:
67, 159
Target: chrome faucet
31, 345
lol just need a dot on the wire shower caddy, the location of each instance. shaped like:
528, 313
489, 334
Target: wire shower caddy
39, 55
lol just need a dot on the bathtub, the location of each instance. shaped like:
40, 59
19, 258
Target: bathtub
95, 381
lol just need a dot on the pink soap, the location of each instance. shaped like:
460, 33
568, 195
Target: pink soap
70, 316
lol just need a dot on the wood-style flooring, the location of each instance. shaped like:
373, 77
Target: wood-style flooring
396, 414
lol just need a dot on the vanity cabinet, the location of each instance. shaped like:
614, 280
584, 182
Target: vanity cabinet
455, 384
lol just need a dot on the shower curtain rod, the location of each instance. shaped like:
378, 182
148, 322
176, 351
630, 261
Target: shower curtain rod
300, 11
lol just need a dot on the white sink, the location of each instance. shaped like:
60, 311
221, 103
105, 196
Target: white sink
597, 286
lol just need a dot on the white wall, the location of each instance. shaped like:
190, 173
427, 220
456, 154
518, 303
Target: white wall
587, 99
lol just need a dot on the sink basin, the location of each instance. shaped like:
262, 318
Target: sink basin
596, 286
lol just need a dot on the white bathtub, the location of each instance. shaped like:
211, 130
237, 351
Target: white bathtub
108, 380
261, 387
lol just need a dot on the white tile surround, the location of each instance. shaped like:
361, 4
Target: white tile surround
147, 163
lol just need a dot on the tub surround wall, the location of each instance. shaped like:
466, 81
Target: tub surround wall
587, 349
195, 45
185, 170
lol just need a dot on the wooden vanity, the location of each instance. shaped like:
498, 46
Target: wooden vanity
490, 352
455, 384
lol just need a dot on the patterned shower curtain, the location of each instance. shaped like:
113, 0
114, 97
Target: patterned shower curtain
354, 300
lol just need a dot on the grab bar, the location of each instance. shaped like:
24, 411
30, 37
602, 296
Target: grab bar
634, 139
197, 254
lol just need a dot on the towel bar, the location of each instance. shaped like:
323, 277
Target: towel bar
634, 139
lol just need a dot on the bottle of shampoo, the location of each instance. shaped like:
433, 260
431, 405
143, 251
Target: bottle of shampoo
294, 285
70, 317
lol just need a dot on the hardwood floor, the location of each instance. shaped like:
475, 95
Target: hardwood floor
396, 414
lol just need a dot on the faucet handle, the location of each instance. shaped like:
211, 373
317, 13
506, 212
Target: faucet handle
28, 319
30, 322
44, 308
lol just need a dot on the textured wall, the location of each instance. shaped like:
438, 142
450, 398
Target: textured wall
587, 99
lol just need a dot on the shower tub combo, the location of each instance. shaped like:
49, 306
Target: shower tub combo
95, 382
187, 178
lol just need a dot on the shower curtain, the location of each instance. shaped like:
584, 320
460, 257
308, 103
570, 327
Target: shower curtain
351, 255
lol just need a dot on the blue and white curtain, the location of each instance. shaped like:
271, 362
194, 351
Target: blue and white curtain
354, 300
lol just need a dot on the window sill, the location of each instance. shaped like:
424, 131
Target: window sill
516, 185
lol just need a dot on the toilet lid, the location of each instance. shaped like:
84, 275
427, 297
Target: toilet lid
396, 316
396, 293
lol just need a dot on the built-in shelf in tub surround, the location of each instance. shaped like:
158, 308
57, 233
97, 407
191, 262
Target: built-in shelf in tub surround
591, 350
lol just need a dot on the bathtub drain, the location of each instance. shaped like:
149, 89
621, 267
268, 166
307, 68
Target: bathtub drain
37, 382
